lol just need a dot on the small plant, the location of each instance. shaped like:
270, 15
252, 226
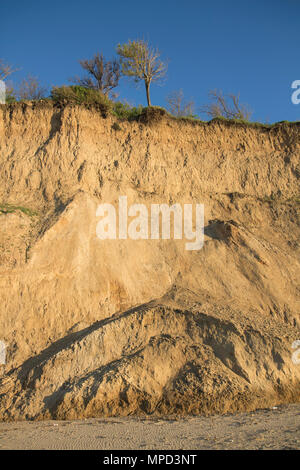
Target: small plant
11, 209
10, 96
126, 112
116, 126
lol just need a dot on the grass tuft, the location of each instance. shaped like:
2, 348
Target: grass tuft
10, 209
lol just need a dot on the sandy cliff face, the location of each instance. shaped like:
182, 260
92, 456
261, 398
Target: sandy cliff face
144, 326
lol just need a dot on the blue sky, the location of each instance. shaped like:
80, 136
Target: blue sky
249, 47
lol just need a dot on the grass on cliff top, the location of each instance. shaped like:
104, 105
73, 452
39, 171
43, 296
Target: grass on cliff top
93, 99
11, 209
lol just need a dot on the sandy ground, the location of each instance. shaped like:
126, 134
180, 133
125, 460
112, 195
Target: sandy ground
277, 428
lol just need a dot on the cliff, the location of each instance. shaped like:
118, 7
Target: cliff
115, 327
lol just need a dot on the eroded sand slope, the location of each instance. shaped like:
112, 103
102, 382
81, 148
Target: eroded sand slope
121, 327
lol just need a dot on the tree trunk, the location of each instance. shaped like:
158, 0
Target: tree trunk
147, 85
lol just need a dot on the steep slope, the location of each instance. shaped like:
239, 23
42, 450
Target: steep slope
106, 327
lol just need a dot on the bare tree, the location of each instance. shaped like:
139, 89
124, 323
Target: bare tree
102, 75
227, 106
30, 89
140, 61
6, 70
177, 104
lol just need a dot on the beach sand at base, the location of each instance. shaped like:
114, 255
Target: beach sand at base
276, 428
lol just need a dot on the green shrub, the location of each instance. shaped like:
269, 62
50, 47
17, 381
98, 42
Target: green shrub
126, 112
10, 96
76, 94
